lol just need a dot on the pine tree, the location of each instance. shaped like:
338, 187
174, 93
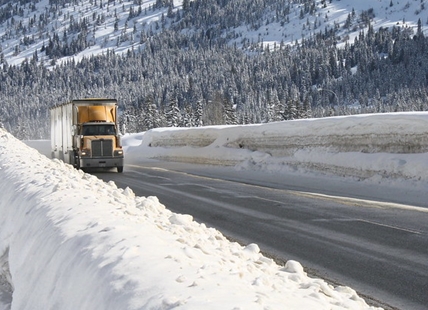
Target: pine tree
172, 114
198, 114
229, 113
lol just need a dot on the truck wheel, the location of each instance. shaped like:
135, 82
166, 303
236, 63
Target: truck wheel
75, 160
120, 169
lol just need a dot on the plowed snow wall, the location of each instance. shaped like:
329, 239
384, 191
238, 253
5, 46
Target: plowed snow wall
373, 133
51, 256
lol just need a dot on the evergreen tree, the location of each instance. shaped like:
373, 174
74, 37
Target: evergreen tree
229, 113
172, 114
198, 114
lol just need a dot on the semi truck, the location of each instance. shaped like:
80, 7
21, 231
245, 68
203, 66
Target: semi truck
84, 133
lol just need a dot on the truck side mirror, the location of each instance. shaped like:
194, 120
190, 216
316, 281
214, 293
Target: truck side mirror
74, 130
119, 140
78, 141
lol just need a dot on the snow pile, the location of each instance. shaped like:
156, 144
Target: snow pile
368, 147
71, 241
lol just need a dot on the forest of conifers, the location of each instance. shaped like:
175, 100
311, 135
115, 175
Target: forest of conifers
197, 78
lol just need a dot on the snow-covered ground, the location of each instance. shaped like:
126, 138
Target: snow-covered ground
71, 241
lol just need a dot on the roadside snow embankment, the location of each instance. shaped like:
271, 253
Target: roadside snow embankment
71, 241
393, 145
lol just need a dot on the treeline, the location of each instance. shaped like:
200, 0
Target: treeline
194, 78
208, 82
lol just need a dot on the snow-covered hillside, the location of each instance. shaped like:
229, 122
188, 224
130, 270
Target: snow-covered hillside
120, 26
71, 241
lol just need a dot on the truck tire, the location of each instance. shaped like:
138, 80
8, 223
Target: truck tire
74, 160
120, 169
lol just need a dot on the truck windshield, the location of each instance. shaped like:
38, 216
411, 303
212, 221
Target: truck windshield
98, 130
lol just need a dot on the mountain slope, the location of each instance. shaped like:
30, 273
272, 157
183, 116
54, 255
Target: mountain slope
51, 30
214, 60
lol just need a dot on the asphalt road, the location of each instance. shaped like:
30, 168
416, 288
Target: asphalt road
377, 248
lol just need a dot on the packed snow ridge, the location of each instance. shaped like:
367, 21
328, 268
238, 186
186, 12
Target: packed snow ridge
390, 147
71, 241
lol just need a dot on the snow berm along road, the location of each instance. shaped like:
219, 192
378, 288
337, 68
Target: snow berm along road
65, 233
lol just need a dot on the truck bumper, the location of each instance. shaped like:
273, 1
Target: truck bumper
105, 162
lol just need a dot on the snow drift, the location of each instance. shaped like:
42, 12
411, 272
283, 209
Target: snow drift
392, 145
71, 241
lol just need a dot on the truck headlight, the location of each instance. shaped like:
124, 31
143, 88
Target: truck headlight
118, 153
85, 152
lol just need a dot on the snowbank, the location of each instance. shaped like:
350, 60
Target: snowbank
393, 145
71, 241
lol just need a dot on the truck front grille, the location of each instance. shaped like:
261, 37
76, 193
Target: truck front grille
103, 148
